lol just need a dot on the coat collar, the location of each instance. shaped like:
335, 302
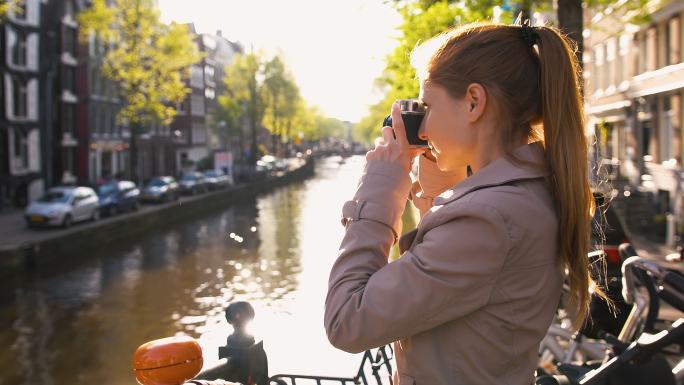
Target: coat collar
499, 172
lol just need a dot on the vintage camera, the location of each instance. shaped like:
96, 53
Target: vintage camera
412, 113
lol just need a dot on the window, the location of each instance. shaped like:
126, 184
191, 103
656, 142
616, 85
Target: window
95, 80
651, 49
69, 40
19, 96
199, 133
196, 77
67, 117
675, 41
197, 105
20, 149
68, 78
209, 73
598, 65
610, 62
69, 8
209, 93
19, 48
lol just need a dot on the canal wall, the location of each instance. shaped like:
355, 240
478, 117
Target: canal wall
89, 238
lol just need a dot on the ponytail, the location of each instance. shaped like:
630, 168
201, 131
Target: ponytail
566, 152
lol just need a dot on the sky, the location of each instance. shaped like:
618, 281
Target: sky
335, 49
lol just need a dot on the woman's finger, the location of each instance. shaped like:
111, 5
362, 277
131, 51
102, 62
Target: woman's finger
387, 134
379, 142
398, 125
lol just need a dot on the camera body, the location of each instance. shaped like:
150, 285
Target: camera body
412, 113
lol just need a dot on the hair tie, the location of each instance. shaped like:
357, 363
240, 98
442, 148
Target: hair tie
529, 33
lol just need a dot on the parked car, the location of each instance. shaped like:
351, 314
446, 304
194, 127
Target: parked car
63, 206
217, 179
193, 183
118, 196
161, 189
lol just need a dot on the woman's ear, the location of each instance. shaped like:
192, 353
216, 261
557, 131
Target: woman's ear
476, 97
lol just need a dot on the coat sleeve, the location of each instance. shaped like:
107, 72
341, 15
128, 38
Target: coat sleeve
450, 274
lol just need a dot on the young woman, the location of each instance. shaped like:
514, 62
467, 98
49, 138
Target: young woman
478, 284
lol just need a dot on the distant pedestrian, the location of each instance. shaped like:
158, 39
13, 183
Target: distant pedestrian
479, 280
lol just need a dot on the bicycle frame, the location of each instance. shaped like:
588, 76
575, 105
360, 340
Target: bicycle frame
590, 349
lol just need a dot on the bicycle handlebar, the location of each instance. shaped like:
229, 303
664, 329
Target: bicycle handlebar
675, 280
650, 270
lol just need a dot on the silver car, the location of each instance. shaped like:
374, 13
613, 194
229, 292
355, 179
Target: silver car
63, 206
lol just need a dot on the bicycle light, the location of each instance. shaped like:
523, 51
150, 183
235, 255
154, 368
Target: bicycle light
167, 361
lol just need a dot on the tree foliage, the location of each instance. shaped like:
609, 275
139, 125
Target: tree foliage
262, 92
424, 19
281, 95
147, 59
6, 6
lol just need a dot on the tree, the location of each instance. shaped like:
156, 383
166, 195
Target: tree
229, 115
244, 87
280, 96
147, 59
422, 20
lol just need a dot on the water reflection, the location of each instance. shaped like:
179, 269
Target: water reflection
81, 325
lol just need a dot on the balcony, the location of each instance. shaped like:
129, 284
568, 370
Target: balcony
661, 80
68, 140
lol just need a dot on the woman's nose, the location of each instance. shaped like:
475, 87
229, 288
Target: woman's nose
421, 131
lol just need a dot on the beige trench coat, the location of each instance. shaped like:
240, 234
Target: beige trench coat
476, 288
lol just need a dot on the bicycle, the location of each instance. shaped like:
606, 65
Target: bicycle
644, 355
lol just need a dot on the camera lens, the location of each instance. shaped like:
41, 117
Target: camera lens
387, 122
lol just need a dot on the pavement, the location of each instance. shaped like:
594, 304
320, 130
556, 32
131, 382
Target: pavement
14, 232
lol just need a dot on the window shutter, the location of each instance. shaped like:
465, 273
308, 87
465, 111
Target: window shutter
32, 99
32, 51
34, 150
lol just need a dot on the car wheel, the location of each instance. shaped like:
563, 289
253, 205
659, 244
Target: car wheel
67, 221
136, 206
113, 210
96, 215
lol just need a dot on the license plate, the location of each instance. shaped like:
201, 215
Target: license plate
37, 218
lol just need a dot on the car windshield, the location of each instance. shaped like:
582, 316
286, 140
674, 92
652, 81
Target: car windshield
156, 183
188, 177
211, 174
54, 197
107, 189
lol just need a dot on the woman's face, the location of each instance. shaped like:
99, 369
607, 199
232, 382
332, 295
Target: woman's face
446, 128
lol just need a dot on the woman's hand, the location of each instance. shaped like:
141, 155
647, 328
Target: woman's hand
393, 146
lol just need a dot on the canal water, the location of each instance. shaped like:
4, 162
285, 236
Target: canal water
80, 324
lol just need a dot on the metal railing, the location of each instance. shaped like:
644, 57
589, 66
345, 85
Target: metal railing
371, 368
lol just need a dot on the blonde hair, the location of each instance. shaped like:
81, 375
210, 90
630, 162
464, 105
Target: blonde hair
536, 95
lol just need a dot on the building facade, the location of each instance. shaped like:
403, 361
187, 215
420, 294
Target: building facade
21, 123
189, 126
634, 78
66, 149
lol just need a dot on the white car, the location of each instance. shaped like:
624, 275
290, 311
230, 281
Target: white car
63, 206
